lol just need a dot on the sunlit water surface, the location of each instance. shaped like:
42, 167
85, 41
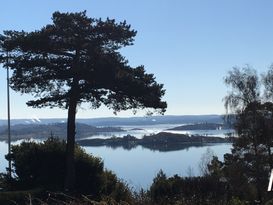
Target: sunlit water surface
139, 166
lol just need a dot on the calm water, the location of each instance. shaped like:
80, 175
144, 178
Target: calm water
139, 166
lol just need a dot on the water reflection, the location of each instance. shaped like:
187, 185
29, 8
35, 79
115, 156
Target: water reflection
140, 165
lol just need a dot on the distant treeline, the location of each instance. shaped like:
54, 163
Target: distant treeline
42, 131
204, 126
119, 121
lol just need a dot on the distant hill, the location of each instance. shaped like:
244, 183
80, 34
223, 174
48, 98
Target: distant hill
202, 126
41, 131
117, 121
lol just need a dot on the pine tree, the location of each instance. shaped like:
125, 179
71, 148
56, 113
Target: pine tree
75, 60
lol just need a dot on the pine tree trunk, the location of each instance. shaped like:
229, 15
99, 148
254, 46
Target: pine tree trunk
70, 146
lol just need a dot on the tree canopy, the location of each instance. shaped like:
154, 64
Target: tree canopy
79, 52
250, 161
74, 60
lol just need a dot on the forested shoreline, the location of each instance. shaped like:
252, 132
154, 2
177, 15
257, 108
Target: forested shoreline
162, 141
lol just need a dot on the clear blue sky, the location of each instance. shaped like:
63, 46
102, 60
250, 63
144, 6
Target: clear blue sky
189, 46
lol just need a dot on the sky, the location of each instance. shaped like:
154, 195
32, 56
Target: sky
189, 45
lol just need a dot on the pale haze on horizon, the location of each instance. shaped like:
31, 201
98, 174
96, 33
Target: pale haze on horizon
189, 46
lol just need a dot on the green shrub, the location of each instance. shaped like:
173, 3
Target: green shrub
43, 165
187, 190
116, 189
39, 164
160, 190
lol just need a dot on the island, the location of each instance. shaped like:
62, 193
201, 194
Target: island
162, 141
202, 126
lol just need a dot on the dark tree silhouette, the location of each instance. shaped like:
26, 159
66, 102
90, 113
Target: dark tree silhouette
76, 60
245, 86
251, 153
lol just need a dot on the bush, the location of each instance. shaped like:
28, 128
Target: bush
42, 165
39, 164
116, 189
161, 189
187, 190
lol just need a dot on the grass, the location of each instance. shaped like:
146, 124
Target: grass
41, 197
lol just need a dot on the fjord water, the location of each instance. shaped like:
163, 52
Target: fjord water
139, 131
139, 165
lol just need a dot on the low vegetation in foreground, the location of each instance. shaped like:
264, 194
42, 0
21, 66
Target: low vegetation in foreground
38, 170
